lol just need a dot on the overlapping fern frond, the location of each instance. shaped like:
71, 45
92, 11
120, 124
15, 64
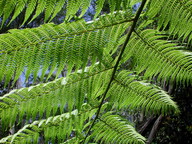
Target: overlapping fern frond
109, 128
67, 94
174, 16
56, 47
50, 8
63, 94
128, 92
53, 129
159, 58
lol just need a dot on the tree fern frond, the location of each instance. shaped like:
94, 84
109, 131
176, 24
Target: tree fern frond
173, 15
158, 57
51, 7
127, 91
55, 46
31, 6
53, 129
39, 9
7, 10
19, 6
113, 129
58, 8
63, 94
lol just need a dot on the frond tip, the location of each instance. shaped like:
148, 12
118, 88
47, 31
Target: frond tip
127, 91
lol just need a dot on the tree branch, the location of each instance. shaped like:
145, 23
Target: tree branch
159, 119
154, 129
146, 124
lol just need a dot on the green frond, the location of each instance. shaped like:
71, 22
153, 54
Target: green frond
128, 92
174, 16
158, 57
53, 129
63, 94
54, 47
113, 129
50, 8
7, 9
